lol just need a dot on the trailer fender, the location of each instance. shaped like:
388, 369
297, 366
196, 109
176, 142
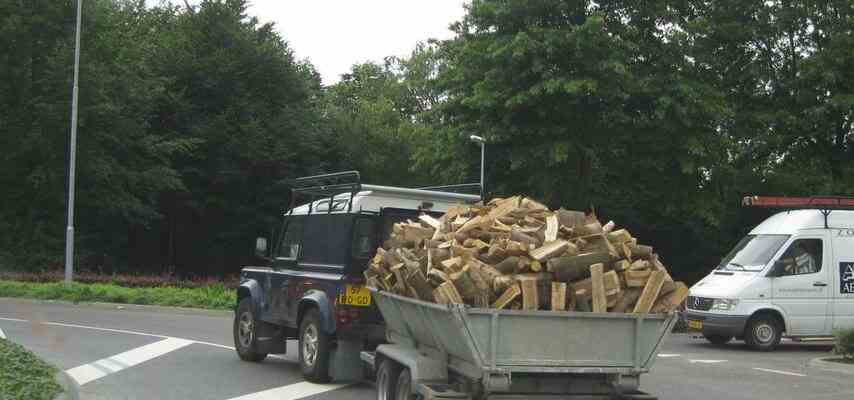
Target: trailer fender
317, 299
421, 367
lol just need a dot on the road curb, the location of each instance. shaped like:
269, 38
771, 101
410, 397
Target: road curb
70, 389
823, 363
128, 307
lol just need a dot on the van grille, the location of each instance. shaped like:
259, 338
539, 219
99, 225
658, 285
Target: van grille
700, 303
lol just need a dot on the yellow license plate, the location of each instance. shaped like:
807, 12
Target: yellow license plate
695, 325
355, 296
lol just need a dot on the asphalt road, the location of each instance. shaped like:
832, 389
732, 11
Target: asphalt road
151, 353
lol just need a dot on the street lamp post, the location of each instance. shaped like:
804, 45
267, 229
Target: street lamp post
69, 231
478, 139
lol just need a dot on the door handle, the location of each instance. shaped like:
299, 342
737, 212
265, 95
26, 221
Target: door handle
819, 284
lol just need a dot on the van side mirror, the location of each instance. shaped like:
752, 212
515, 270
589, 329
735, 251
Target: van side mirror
261, 247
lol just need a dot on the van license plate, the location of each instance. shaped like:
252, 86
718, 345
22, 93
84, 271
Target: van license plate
695, 325
355, 296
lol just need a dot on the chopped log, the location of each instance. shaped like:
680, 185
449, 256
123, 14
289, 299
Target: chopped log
641, 251
446, 293
525, 264
619, 236
464, 252
508, 296
551, 228
505, 207
570, 219
517, 236
627, 301
415, 233
667, 287
610, 278
650, 293
533, 205
637, 278
514, 248
549, 250
374, 282
509, 265
567, 269
536, 266
478, 222
597, 243
465, 283
572, 300
607, 228
430, 221
422, 288
623, 251
621, 265
503, 282
452, 264
640, 265
495, 254
378, 258
530, 297
600, 301
559, 291
672, 301
437, 277
588, 229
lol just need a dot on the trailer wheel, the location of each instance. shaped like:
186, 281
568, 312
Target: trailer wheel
245, 332
404, 386
314, 349
387, 376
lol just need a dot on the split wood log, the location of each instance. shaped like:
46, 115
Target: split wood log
437, 277
551, 228
650, 293
514, 248
452, 264
621, 265
418, 282
672, 301
637, 278
599, 298
508, 296
570, 219
567, 269
509, 265
549, 250
495, 254
518, 236
530, 297
607, 228
446, 293
559, 296
534, 205
588, 229
505, 207
598, 243
430, 221
619, 236
641, 251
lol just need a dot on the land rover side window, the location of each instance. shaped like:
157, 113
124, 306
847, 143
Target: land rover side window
802, 257
291, 239
753, 252
364, 242
326, 239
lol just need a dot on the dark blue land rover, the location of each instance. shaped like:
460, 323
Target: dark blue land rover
311, 286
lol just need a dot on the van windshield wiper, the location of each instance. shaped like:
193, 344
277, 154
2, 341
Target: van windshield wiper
738, 265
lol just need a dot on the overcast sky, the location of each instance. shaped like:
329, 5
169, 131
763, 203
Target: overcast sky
335, 34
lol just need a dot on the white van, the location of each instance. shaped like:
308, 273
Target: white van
792, 276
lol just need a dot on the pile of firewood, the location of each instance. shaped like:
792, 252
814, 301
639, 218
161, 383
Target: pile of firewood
515, 253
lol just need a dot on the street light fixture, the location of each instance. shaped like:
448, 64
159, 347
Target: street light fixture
478, 139
69, 232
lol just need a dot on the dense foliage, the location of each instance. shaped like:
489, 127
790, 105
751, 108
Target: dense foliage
215, 296
24, 376
661, 115
844, 345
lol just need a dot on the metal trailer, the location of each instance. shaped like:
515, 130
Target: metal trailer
458, 352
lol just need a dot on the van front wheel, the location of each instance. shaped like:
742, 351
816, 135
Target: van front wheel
763, 333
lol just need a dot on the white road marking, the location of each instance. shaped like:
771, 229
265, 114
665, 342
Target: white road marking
706, 361
776, 371
89, 372
291, 392
669, 355
2, 335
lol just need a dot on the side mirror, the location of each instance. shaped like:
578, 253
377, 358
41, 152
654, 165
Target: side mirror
261, 247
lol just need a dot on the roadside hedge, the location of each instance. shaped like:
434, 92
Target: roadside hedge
844, 343
23, 376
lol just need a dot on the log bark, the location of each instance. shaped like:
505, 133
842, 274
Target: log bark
509, 265
567, 269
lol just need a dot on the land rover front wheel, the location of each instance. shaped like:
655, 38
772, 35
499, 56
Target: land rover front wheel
245, 332
314, 348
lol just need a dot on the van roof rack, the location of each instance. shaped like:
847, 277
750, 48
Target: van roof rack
824, 204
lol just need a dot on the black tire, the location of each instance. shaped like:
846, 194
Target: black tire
387, 376
404, 386
718, 340
763, 333
245, 329
314, 348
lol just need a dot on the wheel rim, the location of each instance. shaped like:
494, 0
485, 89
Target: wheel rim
382, 384
403, 385
764, 333
245, 329
309, 345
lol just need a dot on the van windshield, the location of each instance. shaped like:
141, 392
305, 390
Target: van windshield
752, 253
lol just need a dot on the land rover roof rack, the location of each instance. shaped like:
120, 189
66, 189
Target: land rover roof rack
824, 204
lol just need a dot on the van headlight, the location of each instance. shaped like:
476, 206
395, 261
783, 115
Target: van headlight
724, 304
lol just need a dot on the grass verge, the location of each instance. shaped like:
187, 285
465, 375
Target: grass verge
23, 376
215, 296
849, 361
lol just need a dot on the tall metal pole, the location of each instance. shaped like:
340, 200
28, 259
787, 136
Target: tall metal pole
482, 169
69, 232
